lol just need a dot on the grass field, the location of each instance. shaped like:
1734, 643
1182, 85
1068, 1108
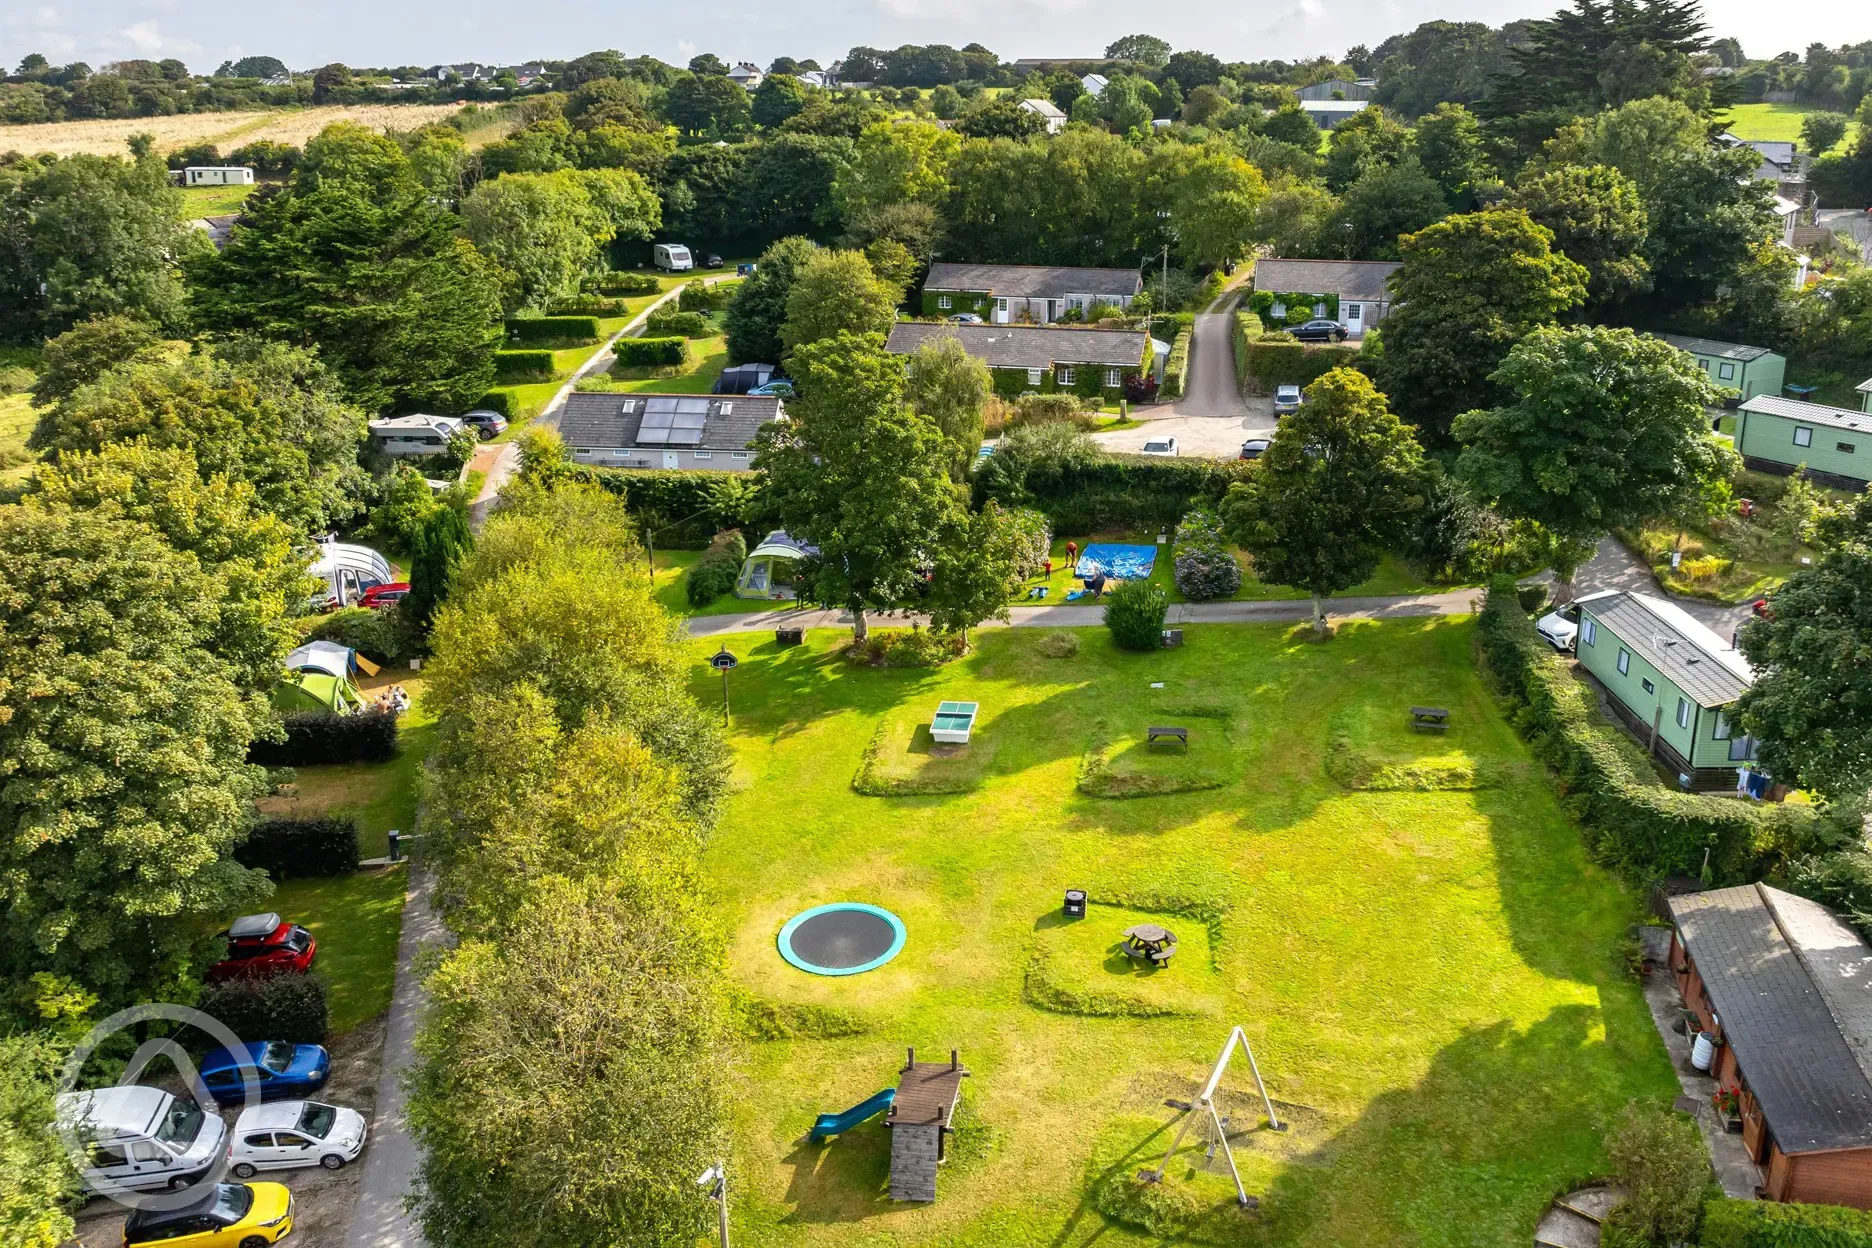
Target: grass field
213, 201
17, 418
356, 919
1773, 122
1429, 978
106, 137
1392, 576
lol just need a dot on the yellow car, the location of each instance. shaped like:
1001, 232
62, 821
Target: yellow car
228, 1215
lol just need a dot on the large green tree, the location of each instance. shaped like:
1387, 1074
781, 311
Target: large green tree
38, 1185
1329, 495
1448, 144
759, 307
1606, 428
1380, 209
1598, 221
708, 106
951, 387
547, 230
1471, 287
837, 292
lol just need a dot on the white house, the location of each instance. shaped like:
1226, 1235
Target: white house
1360, 287
699, 432
217, 175
1337, 89
1094, 83
748, 76
415, 435
1329, 113
1048, 112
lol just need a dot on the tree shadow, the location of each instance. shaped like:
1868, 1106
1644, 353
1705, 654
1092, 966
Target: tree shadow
844, 1179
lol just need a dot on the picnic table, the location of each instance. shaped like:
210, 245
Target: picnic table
1175, 734
1429, 718
1149, 942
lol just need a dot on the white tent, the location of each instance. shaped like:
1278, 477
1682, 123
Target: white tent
768, 572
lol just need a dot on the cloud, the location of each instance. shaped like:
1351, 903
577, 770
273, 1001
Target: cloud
685, 49
966, 11
148, 40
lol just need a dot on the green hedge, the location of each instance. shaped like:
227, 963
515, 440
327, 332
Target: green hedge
1176, 367
1631, 821
517, 366
1298, 306
1767, 1224
568, 329
712, 501
651, 352
667, 322
1113, 491
623, 283
1248, 328
1269, 364
368, 736
290, 848
588, 305
506, 402
291, 1008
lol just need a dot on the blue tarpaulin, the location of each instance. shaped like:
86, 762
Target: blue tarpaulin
1121, 563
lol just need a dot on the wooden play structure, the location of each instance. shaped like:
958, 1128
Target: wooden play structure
920, 1118
1216, 1125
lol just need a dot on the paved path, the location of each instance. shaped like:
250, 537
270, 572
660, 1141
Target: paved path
1211, 420
390, 1159
1614, 567
1855, 223
1210, 389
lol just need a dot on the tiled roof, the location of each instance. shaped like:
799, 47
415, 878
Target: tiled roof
1029, 281
728, 421
1349, 279
1787, 1042
1709, 346
1701, 663
1837, 960
1027, 346
1809, 413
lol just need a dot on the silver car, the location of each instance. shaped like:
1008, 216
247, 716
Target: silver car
1287, 400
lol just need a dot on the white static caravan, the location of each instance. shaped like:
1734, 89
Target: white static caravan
217, 175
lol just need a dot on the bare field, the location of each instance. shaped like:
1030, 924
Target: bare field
226, 130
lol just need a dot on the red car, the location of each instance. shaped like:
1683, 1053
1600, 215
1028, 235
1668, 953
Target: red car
379, 597
264, 944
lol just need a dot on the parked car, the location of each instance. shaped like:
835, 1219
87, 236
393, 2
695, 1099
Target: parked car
744, 270
779, 388
265, 944
1159, 446
1254, 448
1558, 630
487, 424
292, 1134
137, 1137
1320, 331
1287, 400
966, 318
279, 1069
712, 261
228, 1215
383, 597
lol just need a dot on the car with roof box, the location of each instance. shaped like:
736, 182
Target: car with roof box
264, 944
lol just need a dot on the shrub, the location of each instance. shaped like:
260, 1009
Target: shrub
699, 296
587, 305
1139, 387
706, 502
912, 647
1659, 1159
506, 402
567, 329
1531, 597
1176, 367
1296, 308
714, 574
381, 636
1082, 489
1270, 363
289, 848
275, 1007
368, 736
651, 352
1058, 645
624, 283
1205, 567
1040, 409
1032, 540
1134, 612
1768, 1224
514, 366
667, 322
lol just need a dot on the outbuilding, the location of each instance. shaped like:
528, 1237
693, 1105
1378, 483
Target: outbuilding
415, 435
217, 175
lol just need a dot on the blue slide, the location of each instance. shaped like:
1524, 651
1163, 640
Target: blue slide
838, 1124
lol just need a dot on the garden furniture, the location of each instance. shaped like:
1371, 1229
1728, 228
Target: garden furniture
1429, 718
1174, 734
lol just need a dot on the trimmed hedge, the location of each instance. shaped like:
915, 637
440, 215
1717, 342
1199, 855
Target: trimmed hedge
570, 329
1248, 329
1112, 491
1767, 1224
1270, 364
513, 366
625, 283
711, 501
1176, 367
276, 1007
651, 352
667, 322
587, 305
1631, 822
368, 736
289, 848
700, 296
506, 402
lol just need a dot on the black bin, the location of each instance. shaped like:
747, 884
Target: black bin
1075, 903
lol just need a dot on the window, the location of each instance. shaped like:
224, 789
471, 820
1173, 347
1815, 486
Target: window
1803, 436
1683, 712
1113, 378
1725, 371
1065, 375
1278, 311
1624, 661
1319, 309
1720, 730
1844, 448
943, 301
743, 454
1704, 365
1033, 376
1646, 685
581, 450
1742, 749
1354, 311
705, 454
1589, 630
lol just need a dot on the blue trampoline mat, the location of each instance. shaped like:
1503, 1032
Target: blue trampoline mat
1120, 562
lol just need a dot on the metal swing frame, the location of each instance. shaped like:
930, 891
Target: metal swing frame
1205, 1104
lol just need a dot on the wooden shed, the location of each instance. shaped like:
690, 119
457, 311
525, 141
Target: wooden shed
1787, 986
920, 1120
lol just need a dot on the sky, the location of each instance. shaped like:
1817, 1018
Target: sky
309, 33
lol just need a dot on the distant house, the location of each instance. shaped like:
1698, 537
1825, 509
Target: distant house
1047, 111
747, 75
1752, 370
1355, 293
1041, 359
1042, 293
1775, 434
1094, 83
814, 78
1780, 159
217, 175
414, 435
277, 80
1336, 89
1671, 680
467, 71
1786, 986
1327, 114
669, 431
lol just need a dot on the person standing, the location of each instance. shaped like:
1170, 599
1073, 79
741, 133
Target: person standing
1072, 556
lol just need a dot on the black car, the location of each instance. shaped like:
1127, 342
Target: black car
1254, 448
1320, 331
712, 261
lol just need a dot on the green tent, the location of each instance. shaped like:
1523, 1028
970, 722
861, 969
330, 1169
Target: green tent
316, 691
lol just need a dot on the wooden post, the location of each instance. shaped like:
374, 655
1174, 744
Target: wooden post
954, 1058
910, 1062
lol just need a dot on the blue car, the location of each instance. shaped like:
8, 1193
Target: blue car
779, 388
283, 1071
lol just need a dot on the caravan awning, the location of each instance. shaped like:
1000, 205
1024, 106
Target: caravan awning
331, 658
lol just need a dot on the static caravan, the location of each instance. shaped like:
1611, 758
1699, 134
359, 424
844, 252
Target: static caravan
415, 435
217, 175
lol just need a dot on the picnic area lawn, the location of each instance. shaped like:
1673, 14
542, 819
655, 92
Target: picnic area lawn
1393, 576
1773, 122
1430, 978
672, 586
213, 201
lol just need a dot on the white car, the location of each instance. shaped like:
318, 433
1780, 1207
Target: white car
289, 1134
1159, 446
1558, 630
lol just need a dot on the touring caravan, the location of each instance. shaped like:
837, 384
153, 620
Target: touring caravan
347, 572
673, 256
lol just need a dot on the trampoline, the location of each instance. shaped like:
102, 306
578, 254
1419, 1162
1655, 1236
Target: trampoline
1117, 560
842, 938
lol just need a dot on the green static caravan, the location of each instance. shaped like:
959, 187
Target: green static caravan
1751, 370
1038, 294
1865, 396
1671, 680
1092, 363
1779, 435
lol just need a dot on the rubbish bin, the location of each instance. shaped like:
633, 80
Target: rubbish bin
1703, 1051
396, 851
1075, 903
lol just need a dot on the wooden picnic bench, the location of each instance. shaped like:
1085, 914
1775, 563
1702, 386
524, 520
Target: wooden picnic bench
1429, 718
1177, 734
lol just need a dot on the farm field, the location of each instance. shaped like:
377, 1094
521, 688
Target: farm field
1430, 978
1773, 122
106, 137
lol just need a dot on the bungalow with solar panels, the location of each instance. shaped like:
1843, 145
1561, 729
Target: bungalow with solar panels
1784, 987
665, 431
1752, 370
1092, 363
1671, 680
1779, 435
1009, 293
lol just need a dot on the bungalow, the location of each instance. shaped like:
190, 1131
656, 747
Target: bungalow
1336, 89
1047, 111
1671, 680
1327, 114
1094, 84
1041, 293
1023, 358
1778, 435
1752, 370
1783, 988
415, 435
1355, 293
670, 431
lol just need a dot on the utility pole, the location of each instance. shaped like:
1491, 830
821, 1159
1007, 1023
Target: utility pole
715, 1178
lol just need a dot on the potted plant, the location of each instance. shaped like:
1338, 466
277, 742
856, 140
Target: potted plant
1728, 1103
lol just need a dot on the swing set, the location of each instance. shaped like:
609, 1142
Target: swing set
1215, 1124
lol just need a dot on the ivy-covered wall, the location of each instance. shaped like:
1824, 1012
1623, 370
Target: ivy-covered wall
979, 302
1088, 381
1298, 306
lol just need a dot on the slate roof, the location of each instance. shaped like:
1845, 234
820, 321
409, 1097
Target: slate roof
1033, 281
1349, 279
1027, 346
613, 420
1702, 664
1709, 346
1809, 413
1773, 1013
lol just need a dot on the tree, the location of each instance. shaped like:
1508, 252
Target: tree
951, 387
779, 97
708, 105
1144, 49
759, 307
124, 742
1289, 124
1193, 69
975, 568
1471, 287
1328, 496
1214, 198
707, 63
328, 81
1597, 220
857, 474
1662, 1166
1606, 428
1438, 61
1597, 55
1448, 144
1293, 219
1822, 132
1364, 143
835, 292
946, 103
252, 67
1380, 209
896, 163
917, 226
87, 351
441, 540
546, 231
1204, 105
1001, 118
41, 1186
895, 267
